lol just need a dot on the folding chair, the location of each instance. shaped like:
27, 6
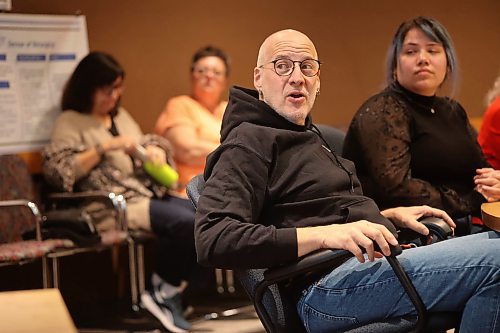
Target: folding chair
18, 214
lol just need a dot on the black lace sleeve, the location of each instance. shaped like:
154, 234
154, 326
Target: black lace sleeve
473, 134
381, 131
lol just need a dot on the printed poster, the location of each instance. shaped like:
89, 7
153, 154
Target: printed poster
37, 55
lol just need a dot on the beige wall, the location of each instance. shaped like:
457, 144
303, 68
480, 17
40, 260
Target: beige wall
154, 40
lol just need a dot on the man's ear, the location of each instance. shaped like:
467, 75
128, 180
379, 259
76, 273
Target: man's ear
256, 78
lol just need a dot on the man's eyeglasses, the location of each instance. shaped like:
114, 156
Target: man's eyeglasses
284, 67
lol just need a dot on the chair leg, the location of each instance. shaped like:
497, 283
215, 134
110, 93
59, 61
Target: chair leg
132, 264
219, 280
230, 281
45, 273
224, 279
140, 268
55, 272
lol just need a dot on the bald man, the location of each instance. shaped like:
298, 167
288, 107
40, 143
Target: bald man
275, 191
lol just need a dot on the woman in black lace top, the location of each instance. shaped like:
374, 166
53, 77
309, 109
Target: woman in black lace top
410, 146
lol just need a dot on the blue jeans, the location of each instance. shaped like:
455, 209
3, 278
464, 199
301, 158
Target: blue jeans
460, 274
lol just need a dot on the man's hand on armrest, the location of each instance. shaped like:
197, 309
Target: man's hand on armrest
353, 237
407, 217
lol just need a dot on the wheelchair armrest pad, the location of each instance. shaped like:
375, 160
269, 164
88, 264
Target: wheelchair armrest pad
437, 226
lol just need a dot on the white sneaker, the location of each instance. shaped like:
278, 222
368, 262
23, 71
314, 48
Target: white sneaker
167, 311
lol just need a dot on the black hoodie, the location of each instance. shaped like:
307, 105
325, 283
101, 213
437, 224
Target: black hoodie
268, 177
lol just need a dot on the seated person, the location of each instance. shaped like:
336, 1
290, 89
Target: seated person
410, 146
192, 123
92, 147
489, 134
275, 192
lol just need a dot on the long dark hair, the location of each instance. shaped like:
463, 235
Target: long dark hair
436, 32
95, 70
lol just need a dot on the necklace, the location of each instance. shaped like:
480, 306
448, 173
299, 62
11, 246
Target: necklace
423, 106
424, 102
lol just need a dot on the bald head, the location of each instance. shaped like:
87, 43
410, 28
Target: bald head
291, 95
283, 40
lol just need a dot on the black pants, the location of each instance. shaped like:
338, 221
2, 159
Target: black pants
172, 220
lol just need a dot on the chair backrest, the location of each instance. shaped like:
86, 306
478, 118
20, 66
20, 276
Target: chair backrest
15, 184
194, 189
333, 136
281, 311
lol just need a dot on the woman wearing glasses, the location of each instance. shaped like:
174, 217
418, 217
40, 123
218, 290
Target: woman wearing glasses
410, 145
94, 146
192, 122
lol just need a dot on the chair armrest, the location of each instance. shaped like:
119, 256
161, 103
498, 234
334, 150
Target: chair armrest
439, 230
437, 226
118, 202
411, 291
34, 211
314, 261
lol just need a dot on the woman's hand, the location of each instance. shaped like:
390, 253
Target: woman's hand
156, 155
407, 217
91, 157
487, 183
121, 142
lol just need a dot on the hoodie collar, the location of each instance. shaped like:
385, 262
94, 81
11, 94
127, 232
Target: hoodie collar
244, 106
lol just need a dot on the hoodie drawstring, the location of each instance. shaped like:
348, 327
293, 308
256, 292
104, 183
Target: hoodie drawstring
327, 147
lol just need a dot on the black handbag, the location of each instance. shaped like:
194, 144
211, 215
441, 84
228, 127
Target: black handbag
74, 224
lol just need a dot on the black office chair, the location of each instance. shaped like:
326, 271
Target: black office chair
275, 304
